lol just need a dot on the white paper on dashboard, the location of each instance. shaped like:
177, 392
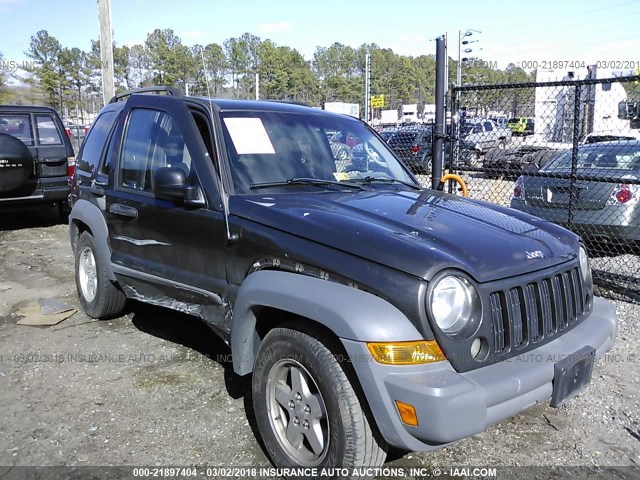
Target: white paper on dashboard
249, 136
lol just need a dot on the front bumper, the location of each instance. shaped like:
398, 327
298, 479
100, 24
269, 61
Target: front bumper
451, 406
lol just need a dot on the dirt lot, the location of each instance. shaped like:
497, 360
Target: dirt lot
156, 388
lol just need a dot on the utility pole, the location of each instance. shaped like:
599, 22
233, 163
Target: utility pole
367, 87
106, 50
257, 85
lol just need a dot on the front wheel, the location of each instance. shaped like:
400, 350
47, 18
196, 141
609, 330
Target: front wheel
307, 411
100, 298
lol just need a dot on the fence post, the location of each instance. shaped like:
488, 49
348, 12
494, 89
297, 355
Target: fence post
441, 88
454, 134
573, 190
367, 87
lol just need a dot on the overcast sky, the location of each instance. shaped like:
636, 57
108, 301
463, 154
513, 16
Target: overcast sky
512, 31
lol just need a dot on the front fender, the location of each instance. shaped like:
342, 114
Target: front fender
349, 313
86, 212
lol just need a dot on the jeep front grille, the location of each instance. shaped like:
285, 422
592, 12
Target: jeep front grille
536, 311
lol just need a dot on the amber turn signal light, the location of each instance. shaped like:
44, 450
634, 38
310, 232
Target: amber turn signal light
406, 353
407, 413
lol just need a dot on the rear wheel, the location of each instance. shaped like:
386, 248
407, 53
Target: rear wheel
99, 296
307, 411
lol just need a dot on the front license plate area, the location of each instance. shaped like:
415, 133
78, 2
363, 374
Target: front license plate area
572, 374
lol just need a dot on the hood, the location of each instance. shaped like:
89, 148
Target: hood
419, 233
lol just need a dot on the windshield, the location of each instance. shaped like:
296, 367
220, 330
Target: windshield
604, 156
275, 147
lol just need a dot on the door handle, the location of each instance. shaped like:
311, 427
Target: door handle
98, 186
97, 189
119, 209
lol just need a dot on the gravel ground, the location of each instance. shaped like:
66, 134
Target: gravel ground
156, 388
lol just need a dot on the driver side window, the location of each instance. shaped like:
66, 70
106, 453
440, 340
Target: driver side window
153, 140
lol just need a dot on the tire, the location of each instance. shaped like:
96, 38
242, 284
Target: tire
337, 431
63, 211
425, 165
17, 163
490, 172
99, 296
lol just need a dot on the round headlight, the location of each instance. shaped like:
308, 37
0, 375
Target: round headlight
585, 269
452, 303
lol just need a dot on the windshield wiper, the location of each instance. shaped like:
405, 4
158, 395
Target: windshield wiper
304, 181
370, 179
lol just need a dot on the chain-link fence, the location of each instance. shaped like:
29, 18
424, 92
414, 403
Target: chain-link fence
565, 151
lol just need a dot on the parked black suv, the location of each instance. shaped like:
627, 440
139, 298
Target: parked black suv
36, 156
369, 312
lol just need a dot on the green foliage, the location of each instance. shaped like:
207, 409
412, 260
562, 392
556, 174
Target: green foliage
72, 68
71, 78
171, 63
216, 64
4, 91
45, 51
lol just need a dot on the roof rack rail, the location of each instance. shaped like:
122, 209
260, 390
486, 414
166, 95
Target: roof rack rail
173, 91
290, 102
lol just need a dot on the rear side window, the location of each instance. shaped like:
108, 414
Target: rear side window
600, 157
17, 125
94, 143
48, 133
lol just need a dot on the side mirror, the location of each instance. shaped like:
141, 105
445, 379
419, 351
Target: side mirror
170, 183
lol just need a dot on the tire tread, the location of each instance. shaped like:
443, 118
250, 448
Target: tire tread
110, 300
364, 446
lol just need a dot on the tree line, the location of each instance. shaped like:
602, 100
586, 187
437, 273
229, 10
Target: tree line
70, 78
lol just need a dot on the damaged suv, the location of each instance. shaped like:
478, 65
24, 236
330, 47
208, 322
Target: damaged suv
369, 312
